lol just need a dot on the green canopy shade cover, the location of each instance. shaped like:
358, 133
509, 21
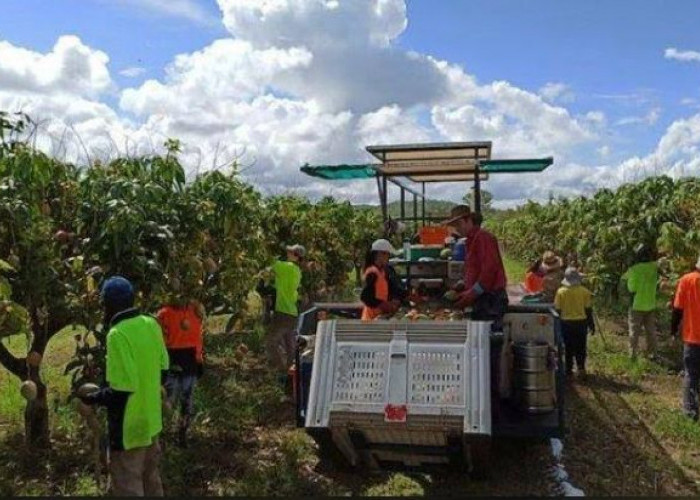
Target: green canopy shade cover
515, 166
340, 172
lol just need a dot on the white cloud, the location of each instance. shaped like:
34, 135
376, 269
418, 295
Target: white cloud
560, 92
520, 123
132, 72
390, 125
226, 72
649, 119
636, 98
690, 101
307, 81
354, 65
190, 10
597, 117
682, 55
315, 23
70, 68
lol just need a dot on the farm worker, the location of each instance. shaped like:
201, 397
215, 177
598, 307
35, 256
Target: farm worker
280, 337
534, 278
182, 324
686, 316
553, 275
641, 283
574, 305
382, 292
572, 261
484, 274
484, 288
136, 362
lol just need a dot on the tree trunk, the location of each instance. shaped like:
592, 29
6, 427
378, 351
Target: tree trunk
36, 413
36, 417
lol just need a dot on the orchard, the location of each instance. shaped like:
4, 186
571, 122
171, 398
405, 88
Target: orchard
63, 228
605, 229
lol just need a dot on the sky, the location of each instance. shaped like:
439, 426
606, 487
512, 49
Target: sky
611, 90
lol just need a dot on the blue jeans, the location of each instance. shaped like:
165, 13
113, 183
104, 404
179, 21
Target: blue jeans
691, 361
180, 389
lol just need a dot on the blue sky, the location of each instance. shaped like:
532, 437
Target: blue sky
609, 52
607, 56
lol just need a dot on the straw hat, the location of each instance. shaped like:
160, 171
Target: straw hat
457, 212
550, 261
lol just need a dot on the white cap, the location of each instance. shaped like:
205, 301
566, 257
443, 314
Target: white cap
383, 246
299, 250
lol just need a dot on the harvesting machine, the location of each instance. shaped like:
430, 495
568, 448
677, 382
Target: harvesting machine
399, 392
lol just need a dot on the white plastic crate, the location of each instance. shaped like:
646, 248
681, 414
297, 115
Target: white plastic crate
433, 371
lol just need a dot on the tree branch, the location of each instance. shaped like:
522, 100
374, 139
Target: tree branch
14, 365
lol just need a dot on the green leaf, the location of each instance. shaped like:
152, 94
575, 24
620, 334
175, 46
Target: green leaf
5, 266
5, 289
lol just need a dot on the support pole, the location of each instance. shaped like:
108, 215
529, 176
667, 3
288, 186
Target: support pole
385, 198
381, 198
423, 202
415, 213
477, 189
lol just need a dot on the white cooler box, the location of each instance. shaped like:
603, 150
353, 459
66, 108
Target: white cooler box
400, 392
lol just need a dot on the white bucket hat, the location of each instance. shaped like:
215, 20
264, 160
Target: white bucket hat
383, 246
571, 277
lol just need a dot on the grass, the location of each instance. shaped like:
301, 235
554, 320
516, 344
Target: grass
515, 270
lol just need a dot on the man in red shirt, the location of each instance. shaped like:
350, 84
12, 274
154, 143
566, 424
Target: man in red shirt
686, 312
484, 274
182, 324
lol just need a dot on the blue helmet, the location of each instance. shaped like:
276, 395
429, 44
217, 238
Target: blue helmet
117, 291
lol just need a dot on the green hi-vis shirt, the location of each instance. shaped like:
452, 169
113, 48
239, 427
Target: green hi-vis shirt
287, 281
641, 281
136, 355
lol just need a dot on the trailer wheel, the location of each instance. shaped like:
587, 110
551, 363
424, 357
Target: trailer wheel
480, 459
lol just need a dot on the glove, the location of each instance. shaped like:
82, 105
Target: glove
200, 369
591, 330
464, 299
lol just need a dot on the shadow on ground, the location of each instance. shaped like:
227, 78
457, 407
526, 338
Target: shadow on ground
610, 451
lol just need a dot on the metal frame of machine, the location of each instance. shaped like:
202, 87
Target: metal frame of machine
427, 163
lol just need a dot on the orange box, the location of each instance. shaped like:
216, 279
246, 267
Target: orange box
433, 235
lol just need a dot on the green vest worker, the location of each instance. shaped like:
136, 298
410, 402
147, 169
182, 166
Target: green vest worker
641, 283
136, 361
280, 336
